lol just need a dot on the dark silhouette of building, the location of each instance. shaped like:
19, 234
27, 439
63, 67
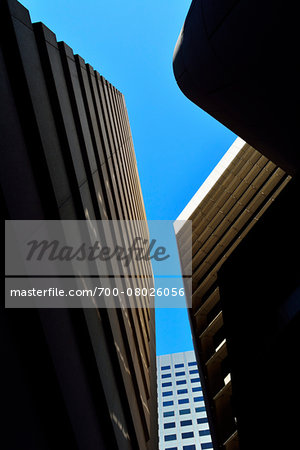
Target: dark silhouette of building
73, 379
234, 59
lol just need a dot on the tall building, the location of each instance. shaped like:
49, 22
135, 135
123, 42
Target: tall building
183, 423
76, 379
244, 314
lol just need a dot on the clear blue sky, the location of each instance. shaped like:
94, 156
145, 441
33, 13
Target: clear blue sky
131, 43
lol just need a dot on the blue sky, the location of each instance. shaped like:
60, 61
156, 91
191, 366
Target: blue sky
177, 145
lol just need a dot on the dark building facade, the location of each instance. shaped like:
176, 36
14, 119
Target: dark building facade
234, 60
76, 379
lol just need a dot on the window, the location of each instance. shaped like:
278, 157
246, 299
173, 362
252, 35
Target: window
170, 437
182, 391
202, 420
169, 383
177, 366
206, 445
166, 375
195, 380
171, 448
184, 423
169, 425
197, 389
193, 363
168, 393
181, 382
169, 403
165, 367
189, 447
187, 435
198, 399
204, 433
168, 414
200, 409
184, 411
179, 374
181, 401
193, 371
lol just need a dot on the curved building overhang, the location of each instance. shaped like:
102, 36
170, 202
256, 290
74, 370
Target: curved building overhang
236, 59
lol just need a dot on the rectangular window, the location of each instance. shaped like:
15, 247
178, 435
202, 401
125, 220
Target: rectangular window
168, 414
192, 363
165, 367
182, 401
179, 374
181, 382
206, 445
171, 448
169, 425
195, 380
177, 366
189, 447
166, 375
187, 435
193, 371
169, 403
198, 399
170, 437
168, 383
197, 389
184, 411
200, 409
204, 433
202, 420
182, 391
168, 393
185, 423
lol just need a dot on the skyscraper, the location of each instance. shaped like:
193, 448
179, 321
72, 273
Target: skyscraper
183, 422
237, 313
76, 379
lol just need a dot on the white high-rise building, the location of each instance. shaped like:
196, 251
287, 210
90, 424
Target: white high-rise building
182, 420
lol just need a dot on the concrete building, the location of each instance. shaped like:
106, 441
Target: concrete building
72, 379
244, 299
183, 423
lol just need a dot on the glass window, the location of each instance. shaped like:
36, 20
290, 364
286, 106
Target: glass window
166, 375
187, 435
204, 433
202, 420
179, 374
195, 380
182, 391
169, 425
206, 445
192, 363
168, 414
184, 411
197, 389
169, 403
181, 401
168, 393
181, 382
170, 437
171, 448
177, 366
200, 409
168, 383
189, 447
198, 399
193, 371
184, 423
165, 367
